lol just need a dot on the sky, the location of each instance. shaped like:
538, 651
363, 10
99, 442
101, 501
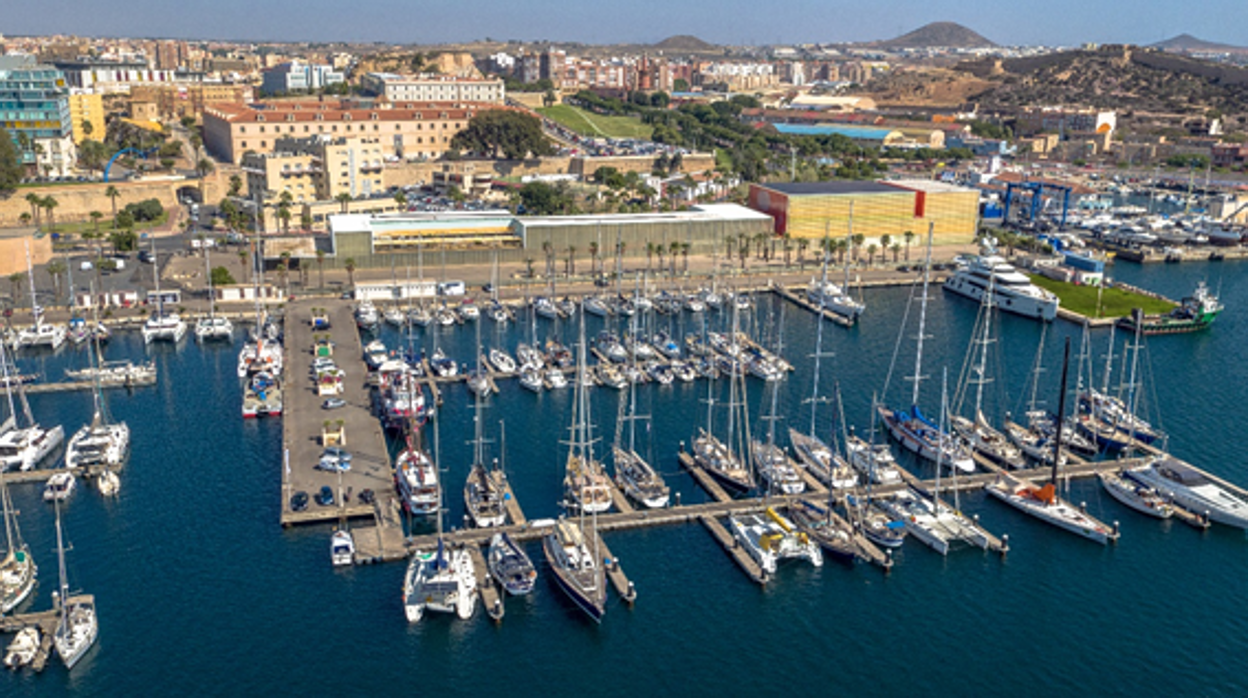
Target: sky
1054, 22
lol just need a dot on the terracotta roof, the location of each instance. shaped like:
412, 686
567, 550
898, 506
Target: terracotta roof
401, 111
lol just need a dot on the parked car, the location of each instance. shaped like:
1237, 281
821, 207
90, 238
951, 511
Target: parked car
333, 403
335, 459
325, 497
299, 501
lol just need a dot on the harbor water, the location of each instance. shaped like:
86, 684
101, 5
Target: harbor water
201, 592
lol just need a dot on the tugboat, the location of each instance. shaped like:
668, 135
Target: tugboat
1195, 313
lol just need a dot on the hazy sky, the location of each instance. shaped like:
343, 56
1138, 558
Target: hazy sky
1063, 22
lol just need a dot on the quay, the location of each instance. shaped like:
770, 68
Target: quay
798, 300
70, 386
304, 422
46, 621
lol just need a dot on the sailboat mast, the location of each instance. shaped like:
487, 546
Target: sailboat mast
212, 306
849, 240
983, 356
60, 559
918, 353
1061, 414
1109, 362
35, 310
814, 389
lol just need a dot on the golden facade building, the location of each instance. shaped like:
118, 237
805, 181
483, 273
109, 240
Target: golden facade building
812, 210
87, 108
405, 131
176, 101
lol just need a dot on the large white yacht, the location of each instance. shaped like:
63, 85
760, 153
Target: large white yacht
1191, 489
1011, 290
832, 297
24, 448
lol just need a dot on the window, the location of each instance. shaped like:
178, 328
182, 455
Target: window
261, 129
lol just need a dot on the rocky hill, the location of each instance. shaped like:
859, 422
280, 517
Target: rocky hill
937, 35
684, 42
1187, 42
1113, 77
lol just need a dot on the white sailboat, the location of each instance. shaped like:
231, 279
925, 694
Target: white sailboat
636, 477
1043, 502
23, 448
727, 461
78, 627
585, 483
909, 426
161, 326
40, 333
440, 580
212, 327
483, 495
17, 570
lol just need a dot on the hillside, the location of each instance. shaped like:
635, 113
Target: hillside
684, 42
937, 34
1113, 77
1187, 42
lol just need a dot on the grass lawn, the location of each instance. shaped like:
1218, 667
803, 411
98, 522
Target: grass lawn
588, 124
1114, 302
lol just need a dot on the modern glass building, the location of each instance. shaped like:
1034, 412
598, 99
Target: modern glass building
34, 104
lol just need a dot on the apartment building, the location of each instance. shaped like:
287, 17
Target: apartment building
34, 110
172, 102
295, 76
86, 108
432, 88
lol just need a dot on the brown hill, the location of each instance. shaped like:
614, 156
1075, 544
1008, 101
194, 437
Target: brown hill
937, 34
1187, 42
684, 42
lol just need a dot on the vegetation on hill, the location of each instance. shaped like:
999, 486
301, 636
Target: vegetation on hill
597, 125
10, 168
504, 133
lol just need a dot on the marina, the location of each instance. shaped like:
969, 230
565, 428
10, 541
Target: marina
635, 567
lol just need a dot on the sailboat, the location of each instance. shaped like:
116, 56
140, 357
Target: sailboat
212, 327
103, 442
78, 626
1043, 502
828, 295
23, 448
909, 426
40, 333
811, 451
510, 566
483, 494
161, 326
727, 461
978, 433
637, 478
1035, 440
17, 570
1112, 420
440, 580
585, 484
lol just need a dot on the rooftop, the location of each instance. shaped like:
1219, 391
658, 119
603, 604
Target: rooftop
859, 132
832, 187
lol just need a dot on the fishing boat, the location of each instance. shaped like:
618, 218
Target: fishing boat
1133, 495
1043, 502
909, 426
212, 327
769, 538
510, 566
23, 448
585, 484
1195, 312
78, 626
22, 650
831, 532
576, 568
1191, 489
341, 548
18, 572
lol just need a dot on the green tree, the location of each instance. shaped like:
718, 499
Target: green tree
222, 277
401, 199
56, 268
542, 199
124, 240
349, 265
10, 165
236, 185
320, 264
36, 206
909, 237
503, 133
15, 280
112, 193
344, 200
24, 219
49, 204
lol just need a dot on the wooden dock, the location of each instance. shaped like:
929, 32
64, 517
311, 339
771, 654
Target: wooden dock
514, 513
615, 573
383, 541
71, 386
742, 558
491, 595
705, 480
41, 475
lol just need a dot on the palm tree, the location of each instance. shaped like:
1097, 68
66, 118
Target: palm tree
95, 221
320, 265
548, 249
871, 250
593, 258
16, 279
528, 267
401, 199
36, 205
349, 265
886, 241
284, 270
649, 254
243, 254
343, 200
858, 239
744, 250
305, 221
660, 250
896, 248
673, 250
55, 269
802, 244
112, 193
283, 214
24, 218
909, 236
49, 203
571, 260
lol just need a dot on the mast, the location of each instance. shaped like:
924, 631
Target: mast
983, 356
160, 300
212, 305
1109, 361
849, 239
64, 579
918, 353
814, 389
94, 360
1132, 393
35, 310
9, 525
1061, 415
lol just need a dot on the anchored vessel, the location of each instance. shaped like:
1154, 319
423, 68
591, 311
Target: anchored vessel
990, 277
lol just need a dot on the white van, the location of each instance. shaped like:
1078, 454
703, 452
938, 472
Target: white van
452, 288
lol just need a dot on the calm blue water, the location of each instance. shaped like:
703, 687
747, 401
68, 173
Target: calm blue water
199, 588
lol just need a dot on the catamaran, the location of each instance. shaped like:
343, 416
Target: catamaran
23, 448
103, 442
161, 326
212, 327
39, 334
769, 538
1043, 502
